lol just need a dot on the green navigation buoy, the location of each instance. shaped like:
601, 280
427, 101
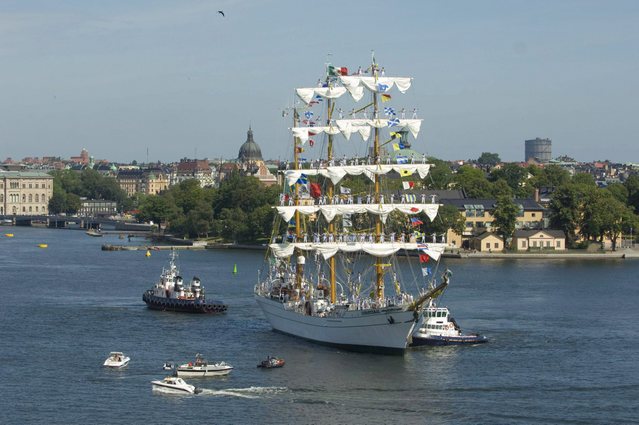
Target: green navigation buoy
234, 268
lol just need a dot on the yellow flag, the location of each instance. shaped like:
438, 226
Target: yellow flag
395, 146
405, 173
386, 97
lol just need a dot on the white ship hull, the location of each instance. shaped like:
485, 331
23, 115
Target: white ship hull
385, 330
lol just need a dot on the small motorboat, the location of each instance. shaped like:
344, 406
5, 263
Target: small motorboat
94, 232
168, 366
439, 328
174, 384
271, 362
201, 367
116, 360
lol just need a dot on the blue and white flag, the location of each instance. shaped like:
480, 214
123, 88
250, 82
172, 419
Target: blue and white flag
426, 271
381, 88
303, 179
388, 111
401, 159
308, 114
393, 122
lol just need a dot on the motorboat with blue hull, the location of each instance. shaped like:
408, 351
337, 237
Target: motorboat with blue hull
439, 328
171, 294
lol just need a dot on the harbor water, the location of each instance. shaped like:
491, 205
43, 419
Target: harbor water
563, 347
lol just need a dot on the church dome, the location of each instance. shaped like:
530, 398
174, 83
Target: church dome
250, 151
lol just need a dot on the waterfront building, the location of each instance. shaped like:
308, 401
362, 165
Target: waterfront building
148, 182
25, 192
487, 242
478, 214
250, 161
187, 169
526, 240
98, 207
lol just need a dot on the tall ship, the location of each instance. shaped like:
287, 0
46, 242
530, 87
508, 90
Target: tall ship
347, 234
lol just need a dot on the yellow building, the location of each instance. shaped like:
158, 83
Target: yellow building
479, 218
524, 240
25, 192
488, 242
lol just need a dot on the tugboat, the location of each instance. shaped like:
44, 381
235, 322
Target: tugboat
439, 328
170, 294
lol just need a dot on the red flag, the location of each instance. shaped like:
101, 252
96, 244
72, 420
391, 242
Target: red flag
311, 142
414, 209
316, 190
423, 258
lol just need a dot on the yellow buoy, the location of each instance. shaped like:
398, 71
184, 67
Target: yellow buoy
148, 253
9, 235
43, 245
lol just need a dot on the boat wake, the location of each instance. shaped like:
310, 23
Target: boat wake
250, 392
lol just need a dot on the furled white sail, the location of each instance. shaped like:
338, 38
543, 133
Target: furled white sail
355, 83
307, 94
383, 210
305, 133
337, 173
285, 250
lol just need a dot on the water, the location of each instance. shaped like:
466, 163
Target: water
563, 345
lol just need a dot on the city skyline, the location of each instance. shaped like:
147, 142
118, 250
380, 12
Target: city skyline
180, 80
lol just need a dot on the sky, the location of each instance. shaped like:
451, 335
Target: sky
161, 80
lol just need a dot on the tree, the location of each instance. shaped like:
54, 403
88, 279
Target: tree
632, 185
488, 159
619, 191
585, 179
550, 176
516, 177
505, 214
441, 175
159, 209
566, 208
473, 182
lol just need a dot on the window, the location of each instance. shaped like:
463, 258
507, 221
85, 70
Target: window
533, 214
37, 198
558, 244
487, 245
523, 244
547, 244
30, 197
534, 244
496, 245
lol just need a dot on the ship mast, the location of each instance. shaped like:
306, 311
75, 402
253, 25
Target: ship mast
330, 189
299, 270
379, 268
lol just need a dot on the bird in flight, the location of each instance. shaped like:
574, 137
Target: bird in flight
221, 12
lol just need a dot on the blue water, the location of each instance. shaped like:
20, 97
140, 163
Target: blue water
564, 344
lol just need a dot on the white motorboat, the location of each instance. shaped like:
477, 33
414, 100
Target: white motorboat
116, 360
201, 367
175, 384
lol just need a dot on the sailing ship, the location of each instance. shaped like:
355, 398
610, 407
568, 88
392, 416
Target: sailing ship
348, 294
